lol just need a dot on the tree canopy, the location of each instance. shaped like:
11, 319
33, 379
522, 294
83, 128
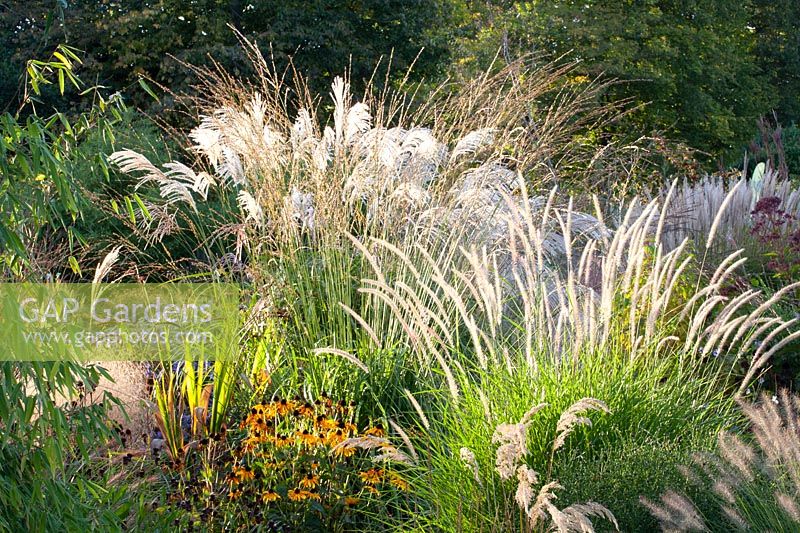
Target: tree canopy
701, 71
126, 39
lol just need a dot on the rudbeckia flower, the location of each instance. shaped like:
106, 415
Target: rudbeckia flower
270, 496
310, 481
371, 476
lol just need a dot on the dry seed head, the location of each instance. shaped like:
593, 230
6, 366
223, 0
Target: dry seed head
526, 480
507, 457
106, 264
675, 513
737, 453
469, 459
392, 454
724, 491
526, 418
789, 505
406, 440
571, 419
417, 408
543, 502
366, 442
735, 518
343, 354
579, 515
251, 209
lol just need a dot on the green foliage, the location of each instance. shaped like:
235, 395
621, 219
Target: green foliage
40, 197
750, 481
691, 62
703, 71
776, 25
649, 406
126, 40
443, 341
48, 428
777, 146
168, 413
639, 466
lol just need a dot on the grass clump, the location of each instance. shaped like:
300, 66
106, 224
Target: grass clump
413, 260
751, 480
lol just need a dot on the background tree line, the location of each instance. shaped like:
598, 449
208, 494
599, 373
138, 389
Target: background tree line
697, 71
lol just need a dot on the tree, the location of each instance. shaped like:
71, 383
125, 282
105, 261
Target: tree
691, 62
777, 31
125, 39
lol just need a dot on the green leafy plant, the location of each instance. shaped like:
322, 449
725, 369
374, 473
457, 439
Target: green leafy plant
168, 411
50, 425
295, 464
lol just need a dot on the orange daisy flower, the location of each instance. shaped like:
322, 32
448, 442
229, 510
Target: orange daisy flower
283, 440
371, 476
310, 481
306, 410
244, 474
284, 406
398, 482
270, 496
298, 494
376, 431
350, 501
344, 451
335, 437
326, 423
308, 438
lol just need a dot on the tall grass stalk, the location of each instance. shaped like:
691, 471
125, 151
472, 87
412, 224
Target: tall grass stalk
409, 243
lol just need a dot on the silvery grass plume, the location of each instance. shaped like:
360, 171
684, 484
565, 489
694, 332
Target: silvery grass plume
105, 266
455, 242
756, 484
378, 161
386, 170
545, 282
537, 505
716, 211
467, 456
388, 452
676, 513
178, 184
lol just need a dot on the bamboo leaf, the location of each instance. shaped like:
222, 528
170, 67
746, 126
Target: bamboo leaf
73, 264
143, 84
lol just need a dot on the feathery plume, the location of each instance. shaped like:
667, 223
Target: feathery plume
675, 513
250, 207
105, 266
571, 419
472, 142
468, 458
343, 354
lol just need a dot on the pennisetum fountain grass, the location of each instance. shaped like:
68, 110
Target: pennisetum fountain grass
418, 256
